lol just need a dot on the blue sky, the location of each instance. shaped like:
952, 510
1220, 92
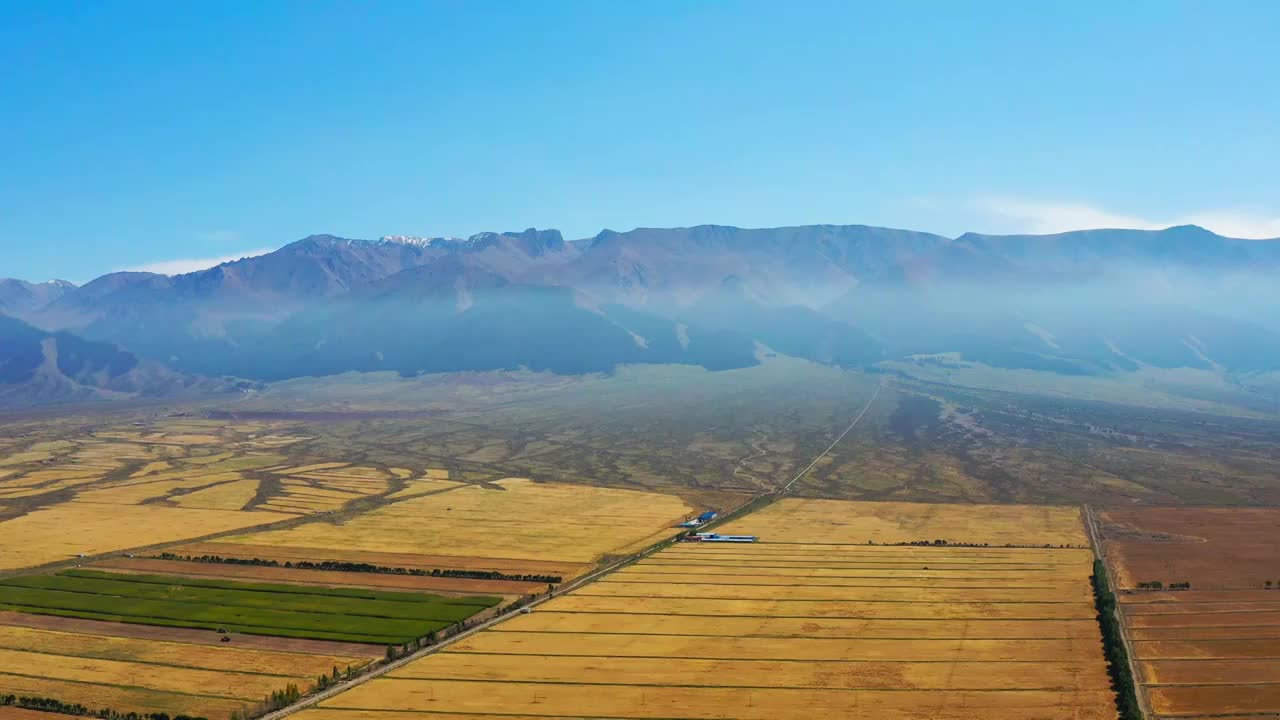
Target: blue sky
138, 133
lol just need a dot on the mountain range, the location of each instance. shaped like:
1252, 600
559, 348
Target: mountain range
1080, 303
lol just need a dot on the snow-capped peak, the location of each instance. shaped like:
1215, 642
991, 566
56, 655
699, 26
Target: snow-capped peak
416, 240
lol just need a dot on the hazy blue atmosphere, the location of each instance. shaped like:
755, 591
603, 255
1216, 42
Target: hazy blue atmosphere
140, 133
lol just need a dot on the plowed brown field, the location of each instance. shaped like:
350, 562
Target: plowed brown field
1213, 650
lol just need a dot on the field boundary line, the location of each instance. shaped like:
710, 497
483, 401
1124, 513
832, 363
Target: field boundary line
1140, 685
787, 488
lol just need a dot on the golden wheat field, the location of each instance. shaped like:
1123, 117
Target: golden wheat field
838, 521
774, 630
512, 518
136, 699
226, 657
65, 531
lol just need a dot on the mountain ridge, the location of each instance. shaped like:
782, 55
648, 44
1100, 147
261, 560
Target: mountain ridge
1091, 302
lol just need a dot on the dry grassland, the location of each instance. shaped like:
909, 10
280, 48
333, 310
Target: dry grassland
795, 520
517, 519
63, 531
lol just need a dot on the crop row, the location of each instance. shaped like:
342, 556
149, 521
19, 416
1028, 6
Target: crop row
238, 607
124, 592
359, 593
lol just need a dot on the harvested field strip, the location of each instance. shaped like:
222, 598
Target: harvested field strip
915, 571
830, 597
160, 652
570, 622
1206, 610
1214, 700
1203, 619
766, 704
868, 580
799, 649
1198, 596
818, 593
936, 713
120, 696
801, 564
10, 676
821, 609
214, 683
1207, 649
1016, 584
756, 673
1210, 672
323, 578
819, 521
710, 551
1207, 632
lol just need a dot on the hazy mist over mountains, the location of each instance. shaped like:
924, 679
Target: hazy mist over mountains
1083, 303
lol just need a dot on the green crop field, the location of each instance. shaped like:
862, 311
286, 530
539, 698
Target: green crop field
255, 608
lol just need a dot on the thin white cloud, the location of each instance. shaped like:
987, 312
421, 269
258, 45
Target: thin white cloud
1041, 217
189, 265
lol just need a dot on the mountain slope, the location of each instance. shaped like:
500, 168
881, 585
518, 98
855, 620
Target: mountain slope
40, 367
1093, 302
18, 296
